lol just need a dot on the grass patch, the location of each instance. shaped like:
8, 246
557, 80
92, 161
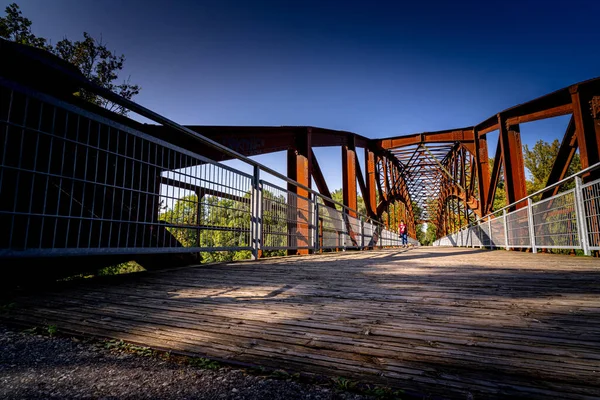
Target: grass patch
52, 330
204, 363
383, 392
344, 384
47, 330
120, 345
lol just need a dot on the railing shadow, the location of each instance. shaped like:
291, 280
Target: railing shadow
427, 321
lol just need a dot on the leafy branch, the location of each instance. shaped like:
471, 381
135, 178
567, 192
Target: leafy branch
91, 56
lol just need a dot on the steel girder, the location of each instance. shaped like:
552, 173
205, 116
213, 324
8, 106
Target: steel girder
429, 169
451, 166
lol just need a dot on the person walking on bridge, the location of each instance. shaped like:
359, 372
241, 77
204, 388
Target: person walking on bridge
403, 234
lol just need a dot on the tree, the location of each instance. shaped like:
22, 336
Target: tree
338, 195
500, 195
539, 161
184, 213
225, 222
426, 235
91, 56
16, 28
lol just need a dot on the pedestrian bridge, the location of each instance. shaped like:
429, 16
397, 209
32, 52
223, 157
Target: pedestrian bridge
83, 188
439, 321
96, 188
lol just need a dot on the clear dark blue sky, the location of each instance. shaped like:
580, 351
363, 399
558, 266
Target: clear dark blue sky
373, 68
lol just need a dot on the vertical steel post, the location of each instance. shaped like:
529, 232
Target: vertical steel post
505, 229
471, 230
531, 226
490, 232
371, 183
479, 223
299, 169
362, 233
256, 214
315, 223
587, 127
582, 228
512, 156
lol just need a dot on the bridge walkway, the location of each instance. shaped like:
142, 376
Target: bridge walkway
443, 321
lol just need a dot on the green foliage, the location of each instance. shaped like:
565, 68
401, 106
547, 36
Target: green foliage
338, 195
384, 393
52, 330
49, 330
225, 222
123, 268
280, 374
16, 28
500, 195
120, 345
90, 55
342, 383
417, 211
114, 344
33, 330
539, 161
204, 363
428, 235
184, 212
499, 198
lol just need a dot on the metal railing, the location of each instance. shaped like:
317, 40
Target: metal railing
75, 182
569, 220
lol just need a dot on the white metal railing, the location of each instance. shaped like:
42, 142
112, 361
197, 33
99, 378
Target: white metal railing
567, 220
75, 182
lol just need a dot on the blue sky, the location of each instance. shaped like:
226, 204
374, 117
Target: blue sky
373, 68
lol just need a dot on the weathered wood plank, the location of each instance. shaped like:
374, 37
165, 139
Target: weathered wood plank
446, 321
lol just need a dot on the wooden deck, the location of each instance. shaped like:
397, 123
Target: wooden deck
443, 321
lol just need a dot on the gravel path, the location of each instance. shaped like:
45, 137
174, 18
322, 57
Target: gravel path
36, 366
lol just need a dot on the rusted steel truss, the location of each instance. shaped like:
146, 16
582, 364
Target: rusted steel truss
439, 177
448, 172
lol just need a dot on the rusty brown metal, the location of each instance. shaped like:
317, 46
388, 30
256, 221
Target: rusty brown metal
514, 167
453, 135
349, 178
495, 178
319, 179
299, 169
371, 182
361, 181
445, 173
556, 111
587, 126
482, 170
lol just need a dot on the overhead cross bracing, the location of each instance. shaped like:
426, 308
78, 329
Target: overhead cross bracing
448, 174
422, 172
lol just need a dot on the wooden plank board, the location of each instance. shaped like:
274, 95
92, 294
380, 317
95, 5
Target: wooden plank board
436, 320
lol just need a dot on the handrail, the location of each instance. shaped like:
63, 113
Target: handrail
582, 172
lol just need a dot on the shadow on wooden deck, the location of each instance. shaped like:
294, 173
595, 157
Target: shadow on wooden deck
445, 322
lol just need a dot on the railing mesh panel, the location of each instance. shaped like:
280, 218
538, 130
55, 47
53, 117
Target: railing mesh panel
591, 206
287, 221
555, 222
72, 182
518, 228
